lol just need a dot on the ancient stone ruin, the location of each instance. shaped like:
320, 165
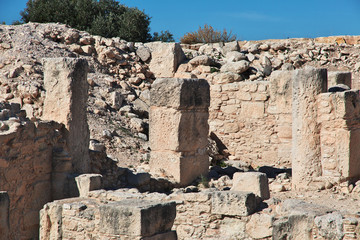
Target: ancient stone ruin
243, 141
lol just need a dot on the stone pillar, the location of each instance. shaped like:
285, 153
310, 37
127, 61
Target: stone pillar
335, 78
65, 81
179, 128
4, 215
306, 149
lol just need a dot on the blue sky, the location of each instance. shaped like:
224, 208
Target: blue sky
249, 20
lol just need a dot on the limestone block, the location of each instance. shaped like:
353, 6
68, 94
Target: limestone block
183, 169
144, 53
88, 182
137, 217
254, 182
233, 203
65, 81
180, 93
252, 109
4, 214
175, 130
281, 91
165, 58
235, 67
260, 226
335, 78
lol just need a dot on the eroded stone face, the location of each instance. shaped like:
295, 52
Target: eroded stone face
179, 128
65, 82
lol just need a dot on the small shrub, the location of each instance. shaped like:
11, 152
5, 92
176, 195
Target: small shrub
163, 37
204, 181
207, 34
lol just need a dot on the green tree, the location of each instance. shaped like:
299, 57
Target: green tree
107, 18
163, 37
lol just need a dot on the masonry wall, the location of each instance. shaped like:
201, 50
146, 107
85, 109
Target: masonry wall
25, 168
339, 115
253, 119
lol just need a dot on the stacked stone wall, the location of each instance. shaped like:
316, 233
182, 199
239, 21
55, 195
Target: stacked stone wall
253, 119
339, 115
26, 150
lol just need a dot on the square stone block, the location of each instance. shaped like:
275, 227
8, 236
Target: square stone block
88, 182
175, 130
336, 77
137, 217
180, 93
183, 169
252, 109
254, 182
233, 203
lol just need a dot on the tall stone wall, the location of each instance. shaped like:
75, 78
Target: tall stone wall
26, 150
253, 119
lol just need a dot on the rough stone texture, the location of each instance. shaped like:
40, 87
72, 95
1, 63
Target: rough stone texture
4, 215
306, 149
88, 182
335, 78
179, 128
338, 115
254, 182
233, 203
26, 167
260, 226
65, 82
253, 120
126, 219
165, 58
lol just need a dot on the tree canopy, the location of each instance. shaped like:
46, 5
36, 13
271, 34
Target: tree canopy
107, 18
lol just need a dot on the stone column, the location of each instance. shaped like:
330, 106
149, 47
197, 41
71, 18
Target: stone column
306, 149
179, 128
4, 215
65, 81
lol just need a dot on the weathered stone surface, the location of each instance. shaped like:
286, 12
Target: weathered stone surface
173, 130
4, 215
165, 58
183, 168
254, 182
260, 226
88, 182
201, 60
233, 203
137, 217
306, 149
65, 81
179, 128
330, 226
144, 53
335, 78
180, 93
132, 218
235, 67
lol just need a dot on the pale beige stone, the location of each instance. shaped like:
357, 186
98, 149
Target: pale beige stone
306, 150
252, 109
165, 58
65, 81
233, 203
260, 226
87, 183
254, 182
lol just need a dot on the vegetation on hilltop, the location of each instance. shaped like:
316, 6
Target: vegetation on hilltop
208, 34
107, 18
